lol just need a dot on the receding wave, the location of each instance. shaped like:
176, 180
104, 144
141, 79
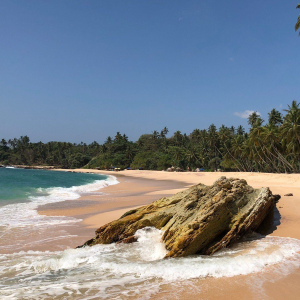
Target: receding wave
122, 271
25, 214
22, 227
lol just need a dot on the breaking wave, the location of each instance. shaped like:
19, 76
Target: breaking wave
22, 227
25, 214
121, 271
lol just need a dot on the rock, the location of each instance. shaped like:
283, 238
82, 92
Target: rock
289, 194
200, 220
128, 240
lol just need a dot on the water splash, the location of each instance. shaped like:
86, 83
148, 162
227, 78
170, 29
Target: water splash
125, 270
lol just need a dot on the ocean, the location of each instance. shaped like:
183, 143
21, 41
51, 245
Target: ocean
116, 271
20, 185
22, 191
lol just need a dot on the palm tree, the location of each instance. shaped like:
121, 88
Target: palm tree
189, 156
297, 26
290, 133
275, 117
270, 140
108, 140
178, 137
293, 107
155, 135
237, 149
240, 130
177, 153
129, 152
291, 125
164, 132
253, 118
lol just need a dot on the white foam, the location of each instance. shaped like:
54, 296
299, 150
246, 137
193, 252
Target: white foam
150, 244
25, 214
123, 270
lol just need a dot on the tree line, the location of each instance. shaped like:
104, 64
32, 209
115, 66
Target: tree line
59, 154
269, 146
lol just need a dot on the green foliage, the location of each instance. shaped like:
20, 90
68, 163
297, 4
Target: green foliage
297, 25
228, 165
214, 163
146, 160
273, 147
60, 154
275, 117
254, 120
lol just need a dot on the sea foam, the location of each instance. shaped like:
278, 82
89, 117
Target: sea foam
22, 227
25, 214
124, 270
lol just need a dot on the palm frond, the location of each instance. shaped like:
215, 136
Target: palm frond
297, 26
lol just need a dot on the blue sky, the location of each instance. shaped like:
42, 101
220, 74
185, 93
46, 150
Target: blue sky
82, 70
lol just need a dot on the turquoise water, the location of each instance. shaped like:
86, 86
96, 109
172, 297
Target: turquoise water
22, 192
116, 271
18, 185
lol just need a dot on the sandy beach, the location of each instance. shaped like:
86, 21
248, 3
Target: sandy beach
137, 188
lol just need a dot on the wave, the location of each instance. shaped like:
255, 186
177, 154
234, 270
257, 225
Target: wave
126, 270
25, 214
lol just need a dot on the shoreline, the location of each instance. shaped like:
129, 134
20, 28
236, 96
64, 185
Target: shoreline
108, 203
262, 285
145, 187
142, 191
137, 188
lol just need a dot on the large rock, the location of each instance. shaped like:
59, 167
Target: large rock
200, 220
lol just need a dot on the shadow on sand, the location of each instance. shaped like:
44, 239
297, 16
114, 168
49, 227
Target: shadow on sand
271, 222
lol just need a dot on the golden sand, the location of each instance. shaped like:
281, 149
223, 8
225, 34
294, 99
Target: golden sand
137, 188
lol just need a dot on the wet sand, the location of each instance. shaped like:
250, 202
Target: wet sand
137, 188
107, 204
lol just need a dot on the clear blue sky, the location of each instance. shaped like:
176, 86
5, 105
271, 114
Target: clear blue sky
82, 70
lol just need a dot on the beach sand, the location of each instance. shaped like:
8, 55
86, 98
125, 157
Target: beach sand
109, 203
137, 188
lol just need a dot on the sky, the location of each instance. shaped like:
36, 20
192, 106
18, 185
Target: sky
82, 70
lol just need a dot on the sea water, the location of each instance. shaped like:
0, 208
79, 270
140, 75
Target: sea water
23, 191
116, 271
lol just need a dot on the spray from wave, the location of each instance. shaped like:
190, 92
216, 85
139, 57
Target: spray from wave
122, 271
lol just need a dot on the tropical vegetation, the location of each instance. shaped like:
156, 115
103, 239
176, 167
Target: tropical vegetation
297, 26
268, 146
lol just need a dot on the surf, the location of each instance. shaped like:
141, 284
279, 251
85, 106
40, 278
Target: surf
138, 269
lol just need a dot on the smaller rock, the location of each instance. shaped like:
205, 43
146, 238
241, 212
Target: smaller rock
289, 194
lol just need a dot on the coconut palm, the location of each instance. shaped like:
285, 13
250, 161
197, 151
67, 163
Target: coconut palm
240, 130
252, 118
177, 137
275, 117
291, 127
297, 26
